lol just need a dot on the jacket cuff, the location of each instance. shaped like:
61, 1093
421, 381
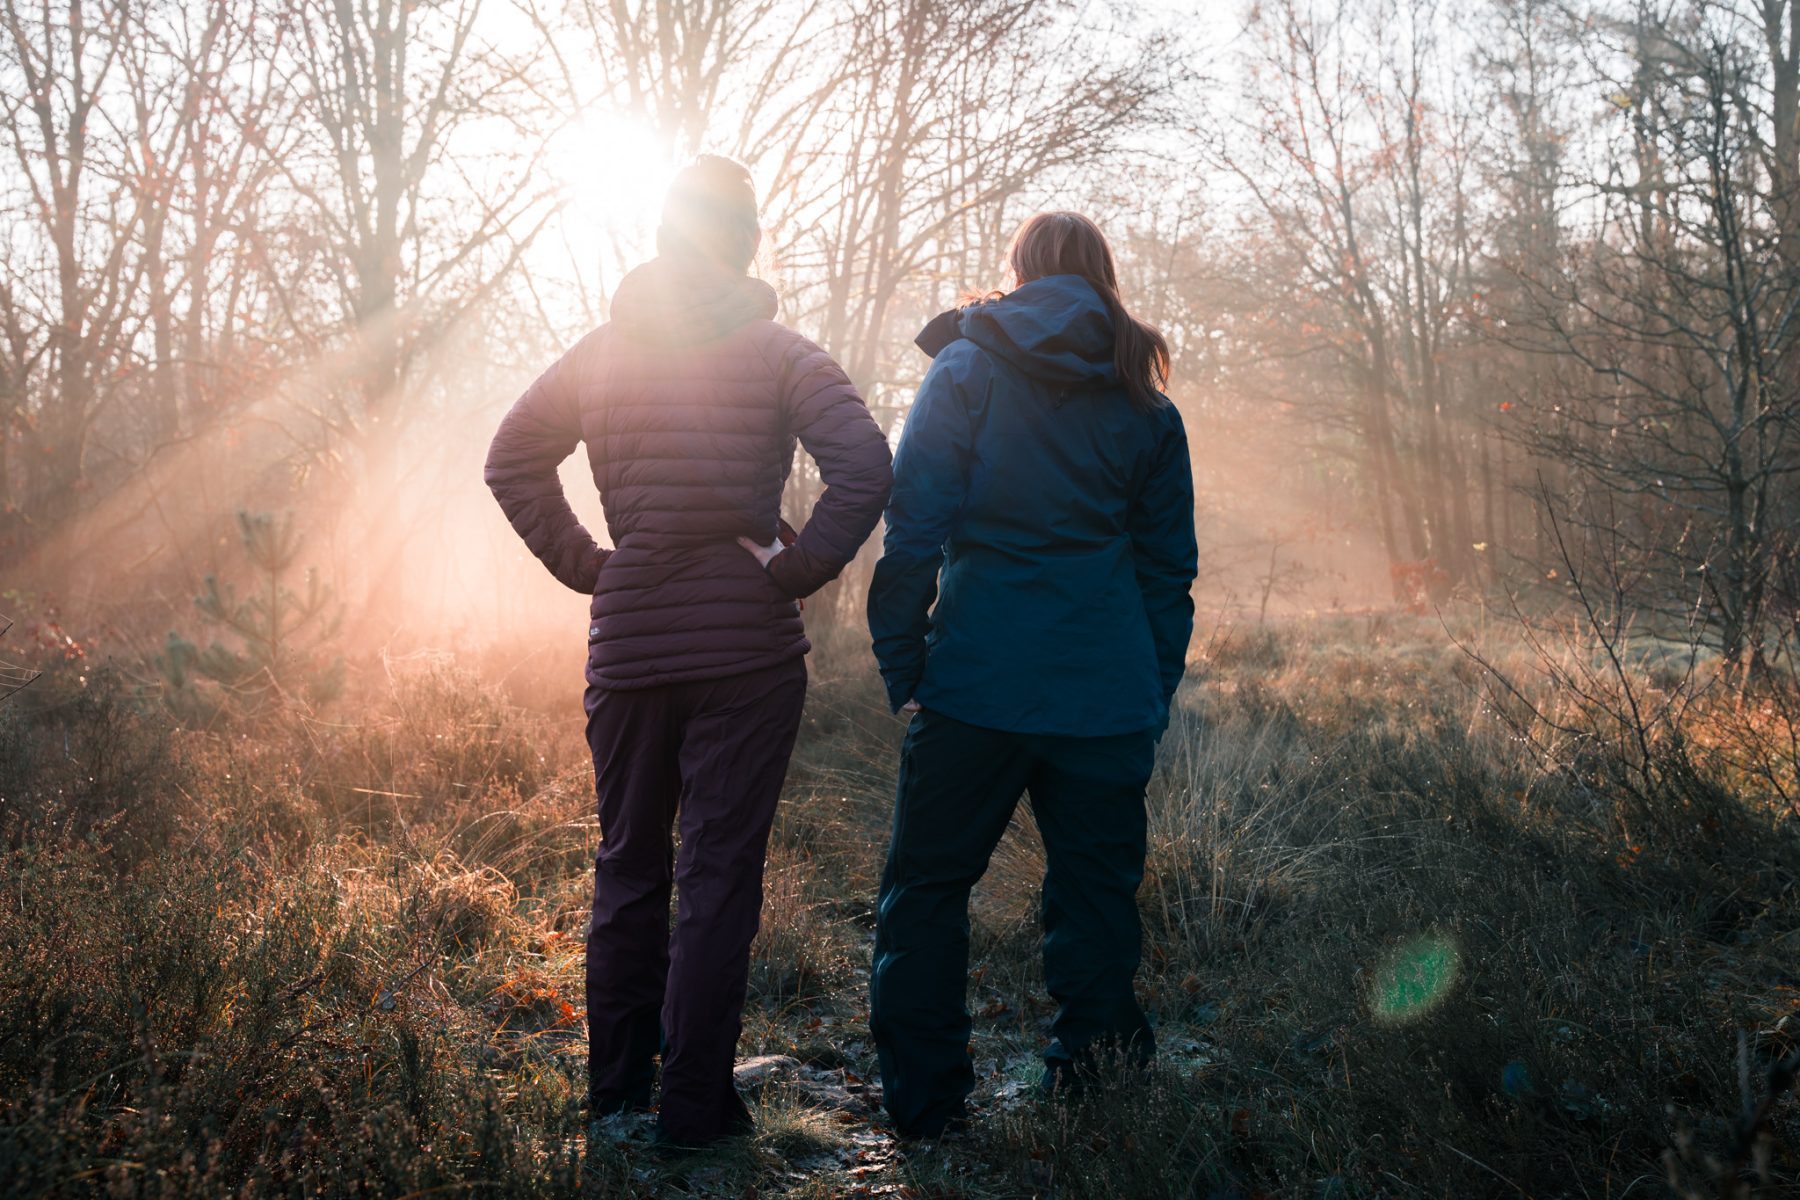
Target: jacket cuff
588, 578
899, 691
790, 575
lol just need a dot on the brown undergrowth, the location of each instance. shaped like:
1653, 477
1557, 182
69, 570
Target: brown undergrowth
1393, 947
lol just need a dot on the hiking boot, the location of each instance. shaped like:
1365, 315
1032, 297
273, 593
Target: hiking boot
738, 1123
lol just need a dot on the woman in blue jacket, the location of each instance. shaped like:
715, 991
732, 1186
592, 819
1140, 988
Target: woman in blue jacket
1043, 499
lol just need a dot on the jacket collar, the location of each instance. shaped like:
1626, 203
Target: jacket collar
671, 301
1055, 329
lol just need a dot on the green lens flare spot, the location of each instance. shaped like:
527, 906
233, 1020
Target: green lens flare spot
1414, 978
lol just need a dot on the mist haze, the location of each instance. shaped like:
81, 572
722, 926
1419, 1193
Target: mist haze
1472, 854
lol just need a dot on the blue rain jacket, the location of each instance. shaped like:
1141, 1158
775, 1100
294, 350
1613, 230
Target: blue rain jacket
1058, 518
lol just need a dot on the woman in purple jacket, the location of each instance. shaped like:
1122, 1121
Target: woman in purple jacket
689, 401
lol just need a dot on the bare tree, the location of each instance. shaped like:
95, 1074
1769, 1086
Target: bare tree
420, 226
959, 110
1683, 319
210, 74
84, 220
740, 73
1305, 149
1527, 62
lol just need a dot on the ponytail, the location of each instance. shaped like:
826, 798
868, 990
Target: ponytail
1067, 243
1140, 354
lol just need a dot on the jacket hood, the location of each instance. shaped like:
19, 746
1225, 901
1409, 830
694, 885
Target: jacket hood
1055, 329
669, 302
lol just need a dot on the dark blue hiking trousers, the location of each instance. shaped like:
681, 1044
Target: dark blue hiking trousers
958, 787
708, 757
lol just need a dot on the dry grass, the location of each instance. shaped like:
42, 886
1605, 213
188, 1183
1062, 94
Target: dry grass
1393, 948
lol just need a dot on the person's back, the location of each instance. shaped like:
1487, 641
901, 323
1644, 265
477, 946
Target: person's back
690, 401
1041, 625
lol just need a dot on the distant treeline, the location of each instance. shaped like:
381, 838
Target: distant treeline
1465, 298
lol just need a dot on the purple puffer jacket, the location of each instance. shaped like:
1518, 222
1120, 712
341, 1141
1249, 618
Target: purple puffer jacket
690, 400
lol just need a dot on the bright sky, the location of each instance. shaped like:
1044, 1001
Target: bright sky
611, 169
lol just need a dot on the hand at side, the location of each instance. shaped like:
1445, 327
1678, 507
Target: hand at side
762, 554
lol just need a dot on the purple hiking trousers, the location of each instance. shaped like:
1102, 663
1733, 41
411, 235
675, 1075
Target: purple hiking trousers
712, 756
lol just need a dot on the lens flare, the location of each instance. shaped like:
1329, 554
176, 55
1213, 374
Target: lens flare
1414, 978
611, 170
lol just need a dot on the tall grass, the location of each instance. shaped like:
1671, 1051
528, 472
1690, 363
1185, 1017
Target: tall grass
1394, 945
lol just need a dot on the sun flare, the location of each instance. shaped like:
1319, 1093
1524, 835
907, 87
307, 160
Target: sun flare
611, 170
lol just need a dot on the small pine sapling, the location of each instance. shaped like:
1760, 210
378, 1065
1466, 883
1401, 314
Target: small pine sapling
283, 635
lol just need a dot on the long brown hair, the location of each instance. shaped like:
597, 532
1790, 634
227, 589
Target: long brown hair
1067, 243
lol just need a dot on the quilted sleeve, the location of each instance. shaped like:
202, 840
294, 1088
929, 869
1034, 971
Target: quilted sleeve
544, 428
829, 417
